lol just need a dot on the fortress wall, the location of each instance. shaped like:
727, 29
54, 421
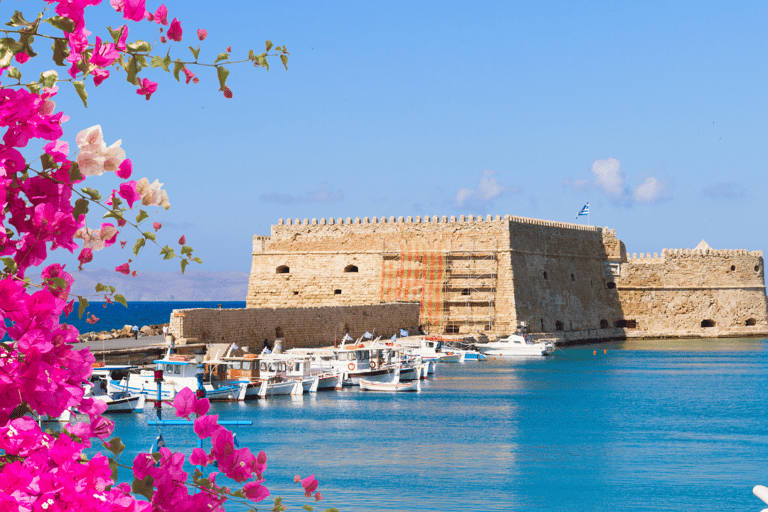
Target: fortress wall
298, 327
574, 293
694, 292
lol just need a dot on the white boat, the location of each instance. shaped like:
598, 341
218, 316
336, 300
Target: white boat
515, 345
289, 366
179, 372
359, 361
117, 401
392, 386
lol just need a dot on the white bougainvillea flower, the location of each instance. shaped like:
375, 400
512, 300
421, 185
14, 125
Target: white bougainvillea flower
151, 194
113, 156
90, 136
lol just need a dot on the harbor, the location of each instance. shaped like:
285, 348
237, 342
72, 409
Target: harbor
632, 425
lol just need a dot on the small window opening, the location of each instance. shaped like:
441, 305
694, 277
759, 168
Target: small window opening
558, 325
545, 275
757, 268
466, 291
625, 324
295, 293
282, 269
707, 323
452, 329
611, 285
337, 292
733, 267
278, 332
350, 268
603, 323
573, 278
542, 325
751, 321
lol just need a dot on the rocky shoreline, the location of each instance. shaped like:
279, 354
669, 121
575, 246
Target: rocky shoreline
125, 332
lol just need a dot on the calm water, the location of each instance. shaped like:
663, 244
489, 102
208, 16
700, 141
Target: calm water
661, 425
115, 316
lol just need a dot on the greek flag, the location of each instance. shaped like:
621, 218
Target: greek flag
347, 337
584, 211
403, 333
367, 335
394, 338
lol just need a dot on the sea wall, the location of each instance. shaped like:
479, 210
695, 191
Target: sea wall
297, 327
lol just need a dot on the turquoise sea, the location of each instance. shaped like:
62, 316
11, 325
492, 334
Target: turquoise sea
672, 425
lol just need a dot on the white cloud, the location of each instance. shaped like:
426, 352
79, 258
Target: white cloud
651, 191
321, 195
488, 189
610, 178
575, 185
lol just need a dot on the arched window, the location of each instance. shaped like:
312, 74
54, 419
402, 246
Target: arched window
751, 321
573, 278
733, 267
707, 323
757, 268
282, 269
545, 275
350, 268
603, 323
611, 285
558, 325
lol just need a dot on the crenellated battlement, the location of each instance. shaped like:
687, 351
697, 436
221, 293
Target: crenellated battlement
691, 253
435, 219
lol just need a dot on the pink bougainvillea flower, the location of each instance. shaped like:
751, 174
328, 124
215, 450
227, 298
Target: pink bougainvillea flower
198, 457
58, 150
297, 478
161, 15
134, 10
188, 74
163, 39
85, 256
121, 222
69, 307
156, 226
256, 492
207, 426
123, 269
310, 485
183, 403
134, 273
99, 75
104, 55
182, 240
123, 38
125, 169
92, 319
148, 88
227, 92
128, 192
21, 57
318, 496
175, 31
122, 244
229, 49
202, 33
195, 80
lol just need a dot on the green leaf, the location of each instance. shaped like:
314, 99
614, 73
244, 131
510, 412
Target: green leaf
269, 44
184, 264
80, 88
223, 73
221, 56
48, 78
141, 62
167, 61
6, 51
115, 446
113, 215
113, 467
111, 289
195, 52
101, 287
186, 250
177, 67
159, 62
143, 487
60, 52
26, 40
138, 245
197, 260
81, 208
131, 71
17, 20
62, 23
284, 58
27, 282
10, 264
47, 161
167, 253
277, 49
34, 88
93, 193
56, 283
139, 46
83, 303
149, 235
116, 33
119, 298
331, 510
13, 72
251, 55
141, 216
307, 507
116, 202
74, 172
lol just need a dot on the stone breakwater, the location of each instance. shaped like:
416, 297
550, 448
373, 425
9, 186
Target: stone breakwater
125, 332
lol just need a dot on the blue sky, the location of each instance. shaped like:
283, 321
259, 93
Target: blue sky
654, 112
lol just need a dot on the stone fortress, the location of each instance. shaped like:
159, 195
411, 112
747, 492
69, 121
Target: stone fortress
320, 279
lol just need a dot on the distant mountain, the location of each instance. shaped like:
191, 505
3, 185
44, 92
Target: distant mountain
194, 285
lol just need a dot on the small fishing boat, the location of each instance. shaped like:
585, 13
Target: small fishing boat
516, 345
393, 386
